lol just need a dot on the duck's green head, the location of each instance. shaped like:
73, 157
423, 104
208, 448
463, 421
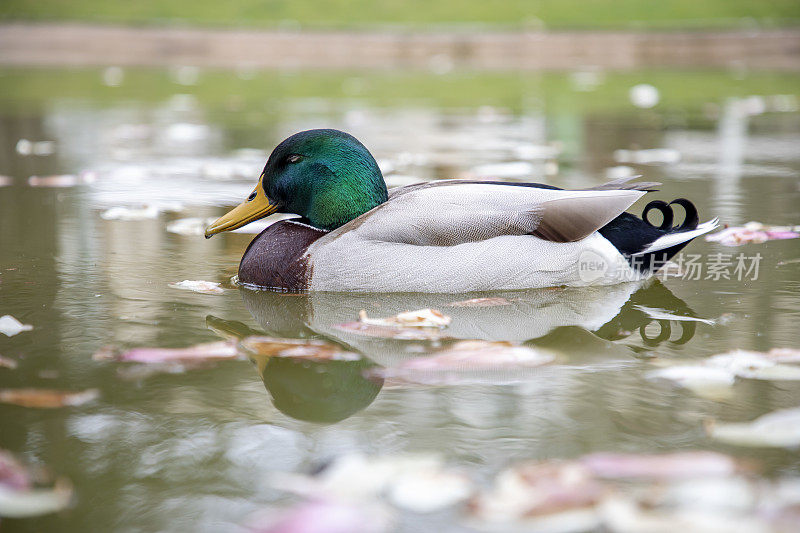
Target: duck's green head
326, 176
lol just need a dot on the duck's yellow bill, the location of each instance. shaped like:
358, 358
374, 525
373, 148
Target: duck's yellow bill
256, 206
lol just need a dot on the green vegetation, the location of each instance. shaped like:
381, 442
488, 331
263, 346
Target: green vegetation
268, 92
415, 13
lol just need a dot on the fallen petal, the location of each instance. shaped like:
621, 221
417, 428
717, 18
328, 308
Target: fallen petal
203, 287
12, 474
780, 429
47, 398
752, 232
296, 348
10, 326
422, 318
392, 332
65, 180
466, 361
6, 181
34, 502
662, 466
211, 351
324, 516
5, 362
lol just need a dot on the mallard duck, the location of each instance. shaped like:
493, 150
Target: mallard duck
445, 236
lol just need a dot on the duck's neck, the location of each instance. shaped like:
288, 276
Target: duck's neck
349, 192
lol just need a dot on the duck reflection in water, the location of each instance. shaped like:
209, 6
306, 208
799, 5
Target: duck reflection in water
582, 326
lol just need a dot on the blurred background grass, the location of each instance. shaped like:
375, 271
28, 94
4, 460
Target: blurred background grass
552, 14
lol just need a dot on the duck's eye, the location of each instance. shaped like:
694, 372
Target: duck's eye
252, 195
294, 158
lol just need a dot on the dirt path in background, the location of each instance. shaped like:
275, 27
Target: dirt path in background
92, 45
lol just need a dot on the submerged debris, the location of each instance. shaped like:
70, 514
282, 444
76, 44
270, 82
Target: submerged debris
203, 287
10, 326
300, 349
18, 496
47, 398
753, 232
466, 361
779, 429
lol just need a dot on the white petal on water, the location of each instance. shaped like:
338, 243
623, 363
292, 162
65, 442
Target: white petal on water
203, 287
5, 362
429, 491
780, 429
140, 213
692, 376
663, 314
189, 226
34, 502
10, 326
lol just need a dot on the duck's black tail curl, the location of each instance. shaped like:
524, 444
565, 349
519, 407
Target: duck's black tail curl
690, 221
648, 246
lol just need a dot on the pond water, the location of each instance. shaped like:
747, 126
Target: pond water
197, 450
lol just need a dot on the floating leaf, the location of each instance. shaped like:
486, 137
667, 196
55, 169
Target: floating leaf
481, 302
10, 326
660, 466
203, 287
211, 351
47, 398
295, 348
780, 429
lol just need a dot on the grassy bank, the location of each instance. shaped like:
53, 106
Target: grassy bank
263, 92
561, 14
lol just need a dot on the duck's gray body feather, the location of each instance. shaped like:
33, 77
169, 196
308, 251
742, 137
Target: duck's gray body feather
460, 236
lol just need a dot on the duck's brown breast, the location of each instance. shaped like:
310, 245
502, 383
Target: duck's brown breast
275, 258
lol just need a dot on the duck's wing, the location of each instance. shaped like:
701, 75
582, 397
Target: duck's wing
447, 213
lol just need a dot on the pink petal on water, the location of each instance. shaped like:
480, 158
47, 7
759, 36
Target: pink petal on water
211, 351
661, 466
